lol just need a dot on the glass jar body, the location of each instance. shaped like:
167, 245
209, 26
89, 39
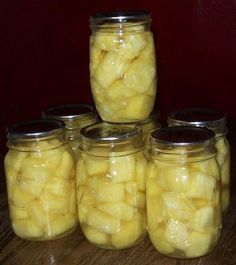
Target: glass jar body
111, 198
183, 204
40, 175
223, 158
123, 70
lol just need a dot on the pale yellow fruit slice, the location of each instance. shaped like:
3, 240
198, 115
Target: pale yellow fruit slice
26, 228
33, 187
105, 191
129, 233
177, 233
199, 244
156, 212
66, 169
141, 172
13, 160
96, 237
96, 166
203, 219
159, 241
19, 197
17, 213
173, 178
54, 204
105, 41
177, 205
143, 107
59, 187
120, 210
111, 68
61, 224
122, 168
81, 172
52, 157
202, 186
35, 169
102, 221
38, 213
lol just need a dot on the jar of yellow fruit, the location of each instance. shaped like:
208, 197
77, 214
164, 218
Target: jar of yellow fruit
110, 177
122, 66
40, 176
183, 192
216, 121
75, 116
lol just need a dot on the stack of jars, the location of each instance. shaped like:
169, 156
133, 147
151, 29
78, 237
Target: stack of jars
130, 176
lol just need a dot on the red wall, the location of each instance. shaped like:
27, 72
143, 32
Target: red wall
44, 54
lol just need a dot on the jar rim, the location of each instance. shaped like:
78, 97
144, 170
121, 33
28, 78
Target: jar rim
178, 136
109, 132
201, 117
120, 17
69, 112
39, 128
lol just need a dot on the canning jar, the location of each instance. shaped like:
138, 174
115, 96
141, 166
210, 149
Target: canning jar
75, 116
110, 177
216, 121
122, 66
40, 176
183, 192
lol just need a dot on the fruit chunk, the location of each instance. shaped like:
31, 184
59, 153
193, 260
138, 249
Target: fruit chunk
61, 224
17, 213
176, 232
119, 210
104, 191
59, 187
156, 212
202, 186
66, 166
122, 168
96, 166
173, 178
128, 234
159, 241
103, 222
19, 197
203, 219
177, 206
95, 236
199, 244
26, 228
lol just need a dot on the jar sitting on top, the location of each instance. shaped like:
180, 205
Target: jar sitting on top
216, 121
40, 176
122, 66
183, 192
110, 177
76, 117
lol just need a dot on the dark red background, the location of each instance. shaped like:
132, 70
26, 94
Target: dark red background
44, 54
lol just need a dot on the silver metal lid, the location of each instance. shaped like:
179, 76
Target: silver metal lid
120, 17
107, 132
183, 136
200, 117
69, 112
35, 129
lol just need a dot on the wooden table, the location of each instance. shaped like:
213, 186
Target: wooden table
75, 249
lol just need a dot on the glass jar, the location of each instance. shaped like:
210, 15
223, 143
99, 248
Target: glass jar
110, 177
40, 176
216, 121
183, 192
122, 66
75, 116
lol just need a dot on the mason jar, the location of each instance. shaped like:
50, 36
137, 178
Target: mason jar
110, 178
40, 176
122, 66
183, 192
216, 121
75, 116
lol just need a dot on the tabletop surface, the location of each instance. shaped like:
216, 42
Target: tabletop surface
75, 249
